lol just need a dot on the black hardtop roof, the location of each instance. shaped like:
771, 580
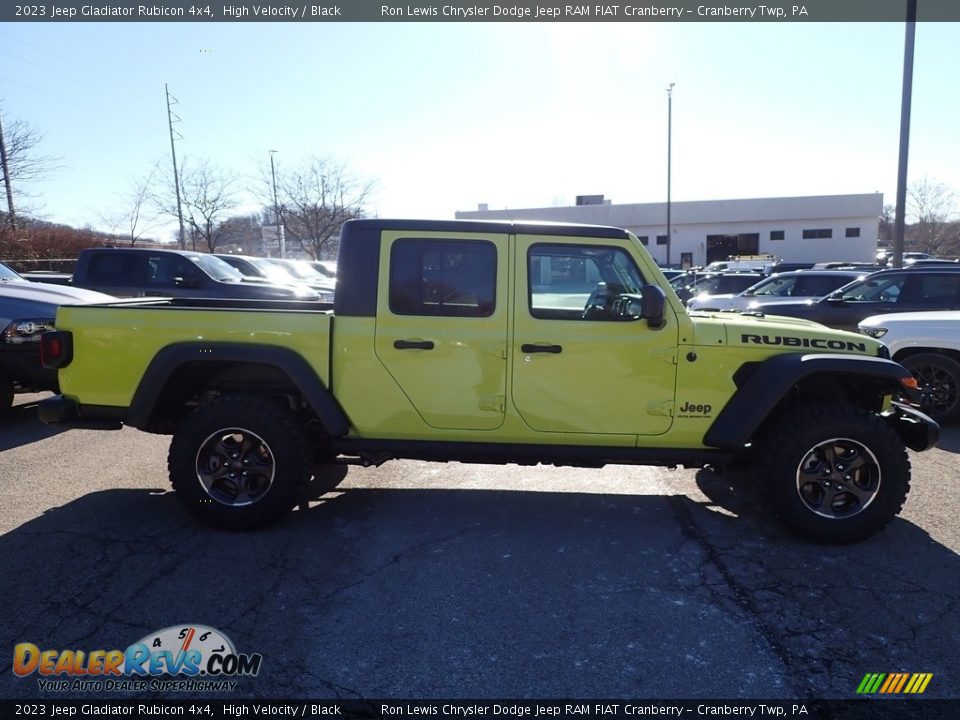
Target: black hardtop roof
528, 227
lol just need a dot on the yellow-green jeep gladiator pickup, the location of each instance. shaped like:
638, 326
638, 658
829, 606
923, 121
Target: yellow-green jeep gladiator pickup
498, 343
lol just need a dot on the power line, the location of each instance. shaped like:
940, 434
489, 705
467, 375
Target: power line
173, 154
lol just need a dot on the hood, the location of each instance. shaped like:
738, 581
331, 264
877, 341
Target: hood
30, 299
51, 292
776, 333
711, 296
787, 304
930, 317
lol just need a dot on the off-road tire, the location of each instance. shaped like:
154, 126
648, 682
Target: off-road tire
854, 450
239, 462
939, 380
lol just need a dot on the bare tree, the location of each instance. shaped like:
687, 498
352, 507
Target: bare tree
931, 205
135, 219
244, 232
314, 199
20, 163
207, 195
886, 225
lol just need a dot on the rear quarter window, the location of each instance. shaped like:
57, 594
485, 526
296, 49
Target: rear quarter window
114, 269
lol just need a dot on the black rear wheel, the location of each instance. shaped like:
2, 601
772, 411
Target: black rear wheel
834, 473
239, 462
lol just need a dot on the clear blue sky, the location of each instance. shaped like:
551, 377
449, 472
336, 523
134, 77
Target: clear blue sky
444, 116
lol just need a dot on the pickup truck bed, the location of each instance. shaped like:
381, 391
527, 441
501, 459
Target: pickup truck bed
115, 343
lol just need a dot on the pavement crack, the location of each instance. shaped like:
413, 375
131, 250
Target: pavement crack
741, 597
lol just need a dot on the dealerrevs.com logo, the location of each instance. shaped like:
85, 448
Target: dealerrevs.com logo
186, 658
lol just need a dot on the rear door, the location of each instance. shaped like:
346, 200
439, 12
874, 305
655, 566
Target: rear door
576, 366
442, 324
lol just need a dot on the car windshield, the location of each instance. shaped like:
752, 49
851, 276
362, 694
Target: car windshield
326, 270
779, 286
718, 284
301, 270
217, 268
688, 278
8, 274
870, 290
277, 272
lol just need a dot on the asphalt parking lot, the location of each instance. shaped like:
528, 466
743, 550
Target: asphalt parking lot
419, 580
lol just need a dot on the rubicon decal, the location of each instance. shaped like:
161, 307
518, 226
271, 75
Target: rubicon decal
894, 683
179, 650
789, 341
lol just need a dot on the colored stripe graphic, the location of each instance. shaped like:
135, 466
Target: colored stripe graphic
894, 683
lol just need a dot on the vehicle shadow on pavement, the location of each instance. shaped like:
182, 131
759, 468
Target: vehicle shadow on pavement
21, 426
376, 593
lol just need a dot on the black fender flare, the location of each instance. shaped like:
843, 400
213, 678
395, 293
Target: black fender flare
760, 391
294, 365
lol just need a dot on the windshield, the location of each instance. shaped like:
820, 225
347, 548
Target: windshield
217, 268
8, 274
877, 290
275, 271
779, 286
715, 284
327, 271
301, 270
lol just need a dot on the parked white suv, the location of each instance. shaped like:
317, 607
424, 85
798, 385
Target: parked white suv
927, 344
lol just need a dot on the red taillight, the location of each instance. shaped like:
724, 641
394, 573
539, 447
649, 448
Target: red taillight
56, 349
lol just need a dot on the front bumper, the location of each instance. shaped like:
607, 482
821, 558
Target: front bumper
21, 363
918, 431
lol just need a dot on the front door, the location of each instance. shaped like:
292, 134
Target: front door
442, 325
577, 367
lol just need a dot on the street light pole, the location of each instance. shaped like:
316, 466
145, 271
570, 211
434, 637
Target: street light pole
276, 207
669, 149
899, 224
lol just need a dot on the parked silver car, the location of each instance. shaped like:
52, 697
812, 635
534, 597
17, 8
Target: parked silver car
28, 309
797, 285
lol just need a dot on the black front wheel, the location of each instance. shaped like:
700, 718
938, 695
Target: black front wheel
239, 462
939, 379
834, 473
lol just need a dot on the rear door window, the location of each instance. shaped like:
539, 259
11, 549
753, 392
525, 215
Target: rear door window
455, 278
114, 269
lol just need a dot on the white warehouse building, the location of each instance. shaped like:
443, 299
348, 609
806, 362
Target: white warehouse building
796, 229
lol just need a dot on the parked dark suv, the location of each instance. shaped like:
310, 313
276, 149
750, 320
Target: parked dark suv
173, 273
900, 290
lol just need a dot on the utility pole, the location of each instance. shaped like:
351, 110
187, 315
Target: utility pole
4, 165
669, 143
173, 154
899, 222
276, 208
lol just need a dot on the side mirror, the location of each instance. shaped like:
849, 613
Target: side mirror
652, 306
187, 282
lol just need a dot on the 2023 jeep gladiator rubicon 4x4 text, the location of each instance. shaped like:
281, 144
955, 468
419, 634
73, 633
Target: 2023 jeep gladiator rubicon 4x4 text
492, 342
